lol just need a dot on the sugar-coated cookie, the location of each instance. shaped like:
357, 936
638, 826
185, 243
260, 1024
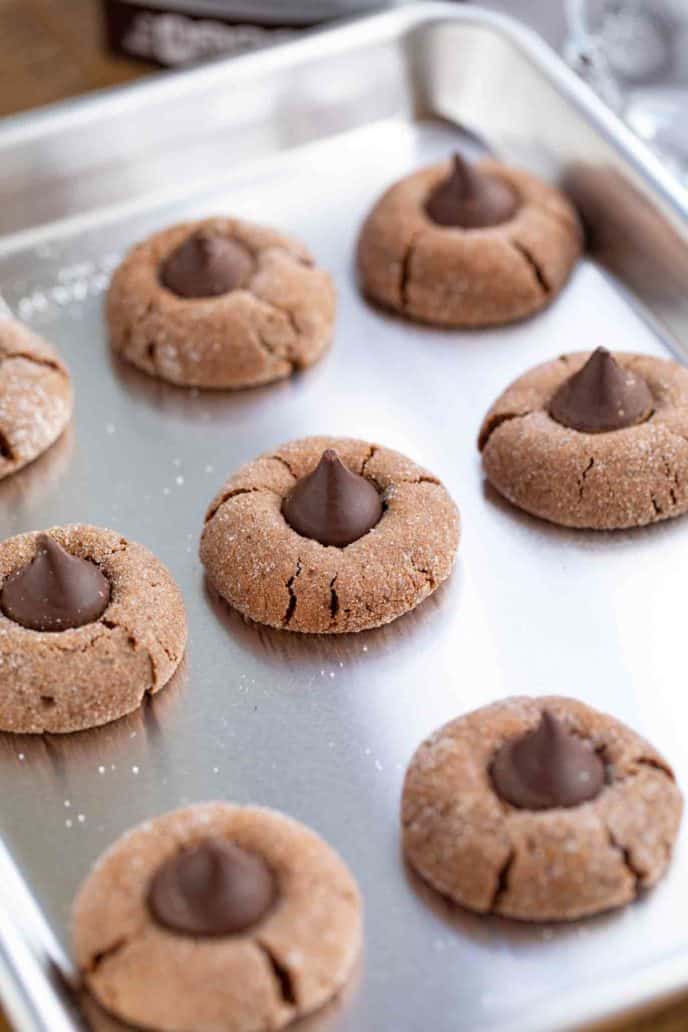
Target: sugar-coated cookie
220, 303
595, 440
327, 535
468, 245
539, 809
35, 396
89, 623
217, 917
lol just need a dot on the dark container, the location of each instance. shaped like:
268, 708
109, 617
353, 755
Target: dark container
179, 32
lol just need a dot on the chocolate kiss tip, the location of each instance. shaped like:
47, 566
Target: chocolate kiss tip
602, 396
56, 591
547, 767
214, 888
206, 264
463, 174
469, 199
332, 505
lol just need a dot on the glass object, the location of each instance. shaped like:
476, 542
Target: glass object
634, 54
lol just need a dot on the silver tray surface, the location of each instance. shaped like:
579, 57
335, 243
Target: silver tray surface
323, 728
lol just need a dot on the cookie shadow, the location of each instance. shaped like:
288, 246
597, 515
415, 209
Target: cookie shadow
200, 405
586, 540
280, 647
489, 929
58, 755
29, 485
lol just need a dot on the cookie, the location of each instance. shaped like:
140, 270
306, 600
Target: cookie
89, 623
539, 809
217, 917
468, 246
328, 535
592, 440
220, 303
35, 396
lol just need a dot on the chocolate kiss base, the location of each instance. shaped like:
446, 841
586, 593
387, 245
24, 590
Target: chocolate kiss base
206, 264
469, 199
602, 396
332, 505
215, 888
56, 591
547, 768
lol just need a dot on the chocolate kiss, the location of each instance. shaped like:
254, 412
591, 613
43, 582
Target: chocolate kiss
214, 888
55, 591
332, 505
470, 199
546, 768
601, 396
206, 265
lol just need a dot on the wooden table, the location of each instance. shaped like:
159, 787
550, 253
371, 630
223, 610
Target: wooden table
52, 49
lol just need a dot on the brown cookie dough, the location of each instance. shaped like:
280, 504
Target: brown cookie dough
604, 481
451, 276
69, 680
276, 576
278, 320
35, 396
537, 865
286, 965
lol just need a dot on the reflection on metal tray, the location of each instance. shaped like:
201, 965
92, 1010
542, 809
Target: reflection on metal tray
305, 138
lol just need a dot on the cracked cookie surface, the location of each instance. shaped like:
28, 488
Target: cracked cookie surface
602, 481
74, 679
289, 964
280, 321
273, 575
35, 396
556, 864
475, 277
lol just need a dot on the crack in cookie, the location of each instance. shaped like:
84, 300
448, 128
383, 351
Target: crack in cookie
405, 271
283, 976
6, 451
636, 874
534, 265
100, 959
581, 480
502, 881
492, 423
372, 451
35, 359
334, 598
280, 458
291, 606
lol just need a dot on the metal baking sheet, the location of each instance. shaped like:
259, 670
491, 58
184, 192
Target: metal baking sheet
323, 728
